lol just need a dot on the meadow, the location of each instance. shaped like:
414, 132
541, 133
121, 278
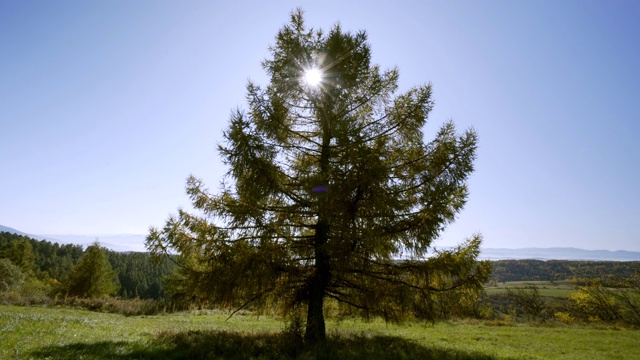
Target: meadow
560, 289
66, 333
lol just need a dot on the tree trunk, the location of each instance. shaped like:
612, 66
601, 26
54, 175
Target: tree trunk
315, 331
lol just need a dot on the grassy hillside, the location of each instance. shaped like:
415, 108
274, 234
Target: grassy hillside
61, 333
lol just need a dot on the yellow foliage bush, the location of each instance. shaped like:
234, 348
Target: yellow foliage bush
564, 317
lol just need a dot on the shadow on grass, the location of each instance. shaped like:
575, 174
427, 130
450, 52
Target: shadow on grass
235, 345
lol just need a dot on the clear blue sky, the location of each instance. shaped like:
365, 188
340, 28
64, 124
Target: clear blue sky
107, 106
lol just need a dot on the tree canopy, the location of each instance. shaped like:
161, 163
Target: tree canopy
332, 191
11, 276
20, 252
93, 276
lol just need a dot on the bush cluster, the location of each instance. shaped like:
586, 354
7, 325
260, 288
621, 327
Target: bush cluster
127, 307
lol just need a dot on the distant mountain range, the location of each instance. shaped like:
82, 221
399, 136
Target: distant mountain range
120, 242
133, 242
558, 254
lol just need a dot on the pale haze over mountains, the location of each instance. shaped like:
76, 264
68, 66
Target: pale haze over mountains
135, 242
119, 242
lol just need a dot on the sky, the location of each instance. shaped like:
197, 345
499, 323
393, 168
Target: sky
106, 107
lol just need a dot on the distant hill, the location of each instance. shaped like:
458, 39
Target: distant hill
608, 273
558, 254
17, 232
12, 230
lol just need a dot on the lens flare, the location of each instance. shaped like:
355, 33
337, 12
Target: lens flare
313, 77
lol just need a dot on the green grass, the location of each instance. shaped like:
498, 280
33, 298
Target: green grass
62, 333
543, 292
546, 288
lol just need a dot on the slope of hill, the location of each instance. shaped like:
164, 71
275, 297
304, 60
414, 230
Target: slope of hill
18, 232
11, 230
121, 242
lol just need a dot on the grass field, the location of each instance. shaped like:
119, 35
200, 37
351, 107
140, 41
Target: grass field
545, 288
63, 333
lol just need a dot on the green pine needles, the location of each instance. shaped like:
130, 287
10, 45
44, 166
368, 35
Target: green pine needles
332, 192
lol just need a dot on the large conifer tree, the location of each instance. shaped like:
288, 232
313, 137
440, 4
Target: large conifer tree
330, 182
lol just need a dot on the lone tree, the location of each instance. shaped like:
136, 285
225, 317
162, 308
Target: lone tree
330, 184
93, 276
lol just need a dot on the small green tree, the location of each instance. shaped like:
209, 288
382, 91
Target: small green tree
93, 276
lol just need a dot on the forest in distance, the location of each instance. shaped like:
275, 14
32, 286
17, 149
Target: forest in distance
138, 276
52, 263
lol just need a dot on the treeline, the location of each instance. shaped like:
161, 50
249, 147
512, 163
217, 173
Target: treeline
138, 275
609, 273
52, 264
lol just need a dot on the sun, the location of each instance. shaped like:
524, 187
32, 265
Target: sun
313, 76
